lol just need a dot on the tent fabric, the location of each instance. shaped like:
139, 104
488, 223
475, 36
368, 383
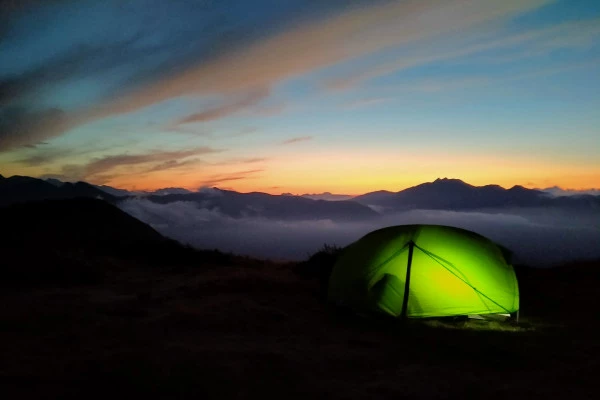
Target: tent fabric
453, 272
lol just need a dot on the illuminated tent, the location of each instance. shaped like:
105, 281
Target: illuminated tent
420, 271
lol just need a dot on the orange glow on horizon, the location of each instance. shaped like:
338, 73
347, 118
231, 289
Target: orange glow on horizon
351, 172
357, 185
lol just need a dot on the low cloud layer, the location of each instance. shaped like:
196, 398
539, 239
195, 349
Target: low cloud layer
537, 237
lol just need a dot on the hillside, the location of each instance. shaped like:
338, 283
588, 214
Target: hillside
74, 241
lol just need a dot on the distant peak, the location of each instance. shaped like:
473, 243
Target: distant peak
449, 180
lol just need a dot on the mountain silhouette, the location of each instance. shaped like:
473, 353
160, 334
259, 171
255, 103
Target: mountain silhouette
117, 192
327, 196
74, 241
124, 193
20, 189
454, 194
257, 204
442, 194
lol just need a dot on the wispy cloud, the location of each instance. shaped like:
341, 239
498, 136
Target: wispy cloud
242, 160
218, 179
270, 110
297, 139
174, 164
99, 168
534, 42
351, 34
45, 156
366, 102
432, 85
239, 103
20, 126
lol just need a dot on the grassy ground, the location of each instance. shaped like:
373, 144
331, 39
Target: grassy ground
258, 330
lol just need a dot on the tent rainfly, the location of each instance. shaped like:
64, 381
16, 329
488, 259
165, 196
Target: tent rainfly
419, 271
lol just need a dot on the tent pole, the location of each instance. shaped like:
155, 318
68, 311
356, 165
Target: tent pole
404, 314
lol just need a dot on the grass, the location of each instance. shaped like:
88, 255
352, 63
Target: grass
258, 329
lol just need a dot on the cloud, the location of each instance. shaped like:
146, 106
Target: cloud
77, 61
536, 236
274, 58
270, 110
556, 191
297, 139
39, 155
172, 164
534, 42
319, 44
218, 179
242, 160
98, 168
20, 126
366, 102
45, 156
242, 102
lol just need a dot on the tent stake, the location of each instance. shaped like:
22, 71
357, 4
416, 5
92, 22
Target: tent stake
404, 314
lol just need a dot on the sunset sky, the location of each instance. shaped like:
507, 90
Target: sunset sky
301, 96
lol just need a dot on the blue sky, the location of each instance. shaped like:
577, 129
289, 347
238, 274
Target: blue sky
301, 96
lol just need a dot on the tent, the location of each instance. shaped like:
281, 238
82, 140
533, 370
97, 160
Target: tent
421, 271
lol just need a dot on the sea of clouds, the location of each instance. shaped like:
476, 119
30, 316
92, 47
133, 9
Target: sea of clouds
540, 237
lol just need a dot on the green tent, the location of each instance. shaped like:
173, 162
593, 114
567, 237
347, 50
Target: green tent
425, 271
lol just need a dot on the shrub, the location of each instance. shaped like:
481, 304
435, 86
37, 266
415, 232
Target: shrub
319, 266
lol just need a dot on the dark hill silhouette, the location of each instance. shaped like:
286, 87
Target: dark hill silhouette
256, 204
454, 194
73, 241
55, 182
20, 189
74, 221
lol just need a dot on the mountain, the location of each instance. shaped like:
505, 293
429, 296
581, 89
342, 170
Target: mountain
445, 194
256, 204
327, 196
19, 189
454, 194
116, 192
381, 198
80, 240
125, 193
170, 190
73, 221
54, 182
557, 191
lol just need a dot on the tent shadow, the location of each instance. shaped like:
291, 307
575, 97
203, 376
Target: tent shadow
387, 296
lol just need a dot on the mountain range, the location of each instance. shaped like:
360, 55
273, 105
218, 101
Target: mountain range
441, 194
282, 207
454, 194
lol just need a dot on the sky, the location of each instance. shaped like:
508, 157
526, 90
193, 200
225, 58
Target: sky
345, 96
